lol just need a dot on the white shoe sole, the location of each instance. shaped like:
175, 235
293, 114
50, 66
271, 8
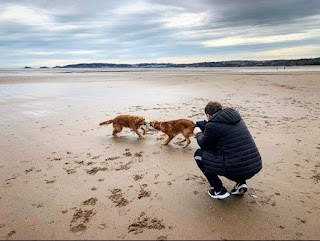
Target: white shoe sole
220, 197
241, 190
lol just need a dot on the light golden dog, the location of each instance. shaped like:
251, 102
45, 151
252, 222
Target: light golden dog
130, 121
174, 127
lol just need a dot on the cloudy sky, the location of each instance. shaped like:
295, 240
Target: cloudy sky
59, 32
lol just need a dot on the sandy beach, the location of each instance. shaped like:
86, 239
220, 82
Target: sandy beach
62, 176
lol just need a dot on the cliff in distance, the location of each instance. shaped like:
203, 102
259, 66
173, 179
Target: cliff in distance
233, 63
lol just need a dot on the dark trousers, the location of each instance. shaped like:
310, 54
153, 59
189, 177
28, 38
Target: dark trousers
213, 179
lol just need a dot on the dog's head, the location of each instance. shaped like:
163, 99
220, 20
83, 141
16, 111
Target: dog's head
155, 124
139, 121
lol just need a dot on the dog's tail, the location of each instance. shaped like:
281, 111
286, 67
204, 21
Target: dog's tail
106, 122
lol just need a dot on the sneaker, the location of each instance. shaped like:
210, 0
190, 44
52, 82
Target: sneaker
239, 189
222, 194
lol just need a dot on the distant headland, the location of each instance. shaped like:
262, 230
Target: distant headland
232, 63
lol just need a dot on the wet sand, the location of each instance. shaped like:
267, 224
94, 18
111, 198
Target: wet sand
64, 177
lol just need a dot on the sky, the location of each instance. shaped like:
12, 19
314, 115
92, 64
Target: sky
52, 33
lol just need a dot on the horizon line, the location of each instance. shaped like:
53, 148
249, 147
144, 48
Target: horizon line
181, 63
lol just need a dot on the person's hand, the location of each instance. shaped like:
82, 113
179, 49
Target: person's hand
196, 130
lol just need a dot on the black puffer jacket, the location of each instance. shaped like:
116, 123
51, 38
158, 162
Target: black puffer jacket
229, 149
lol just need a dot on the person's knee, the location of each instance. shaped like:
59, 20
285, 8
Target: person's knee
198, 158
198, 154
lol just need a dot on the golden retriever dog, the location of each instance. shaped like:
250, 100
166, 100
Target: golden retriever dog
173, 128
130, 121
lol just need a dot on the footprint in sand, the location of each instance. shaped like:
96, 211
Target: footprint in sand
71, 171
79, 228
11, 233
137, 177
94, 170
143, 193
29, 170
117, 198
143, 222
50, 181
79, 219
316, 178
90, 201
124, 167
301, 220
138, 154
112, 158
127, 154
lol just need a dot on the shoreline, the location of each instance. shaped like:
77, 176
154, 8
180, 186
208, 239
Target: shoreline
64, 177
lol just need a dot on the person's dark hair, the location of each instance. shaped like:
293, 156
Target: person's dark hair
212, 107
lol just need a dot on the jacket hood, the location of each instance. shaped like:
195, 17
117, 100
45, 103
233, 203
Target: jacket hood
227, 115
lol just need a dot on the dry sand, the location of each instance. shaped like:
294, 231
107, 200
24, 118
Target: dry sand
64, 177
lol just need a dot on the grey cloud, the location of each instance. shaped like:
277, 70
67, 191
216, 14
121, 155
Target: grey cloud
114, 31
251, 12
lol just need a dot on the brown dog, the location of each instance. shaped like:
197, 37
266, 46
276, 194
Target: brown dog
174, 127
130, 121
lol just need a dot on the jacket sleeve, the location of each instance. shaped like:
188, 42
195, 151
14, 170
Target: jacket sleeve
208, 138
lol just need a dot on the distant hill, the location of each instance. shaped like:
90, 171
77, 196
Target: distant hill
233, 63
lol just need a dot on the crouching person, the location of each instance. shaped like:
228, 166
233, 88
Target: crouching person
227, 149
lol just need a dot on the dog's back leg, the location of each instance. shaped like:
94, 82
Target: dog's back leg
188, 142
116, 129
186, 134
